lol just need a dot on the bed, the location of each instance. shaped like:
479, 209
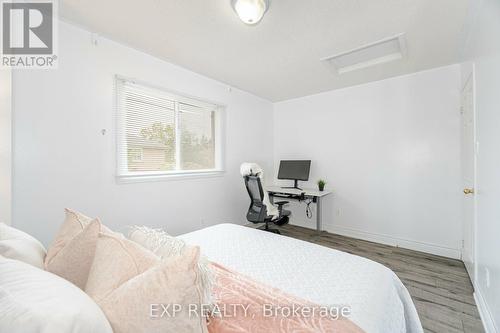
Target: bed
379, 301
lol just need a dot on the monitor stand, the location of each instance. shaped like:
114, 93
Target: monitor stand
295, 185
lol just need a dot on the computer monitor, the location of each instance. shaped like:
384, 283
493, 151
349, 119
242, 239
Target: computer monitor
294, 170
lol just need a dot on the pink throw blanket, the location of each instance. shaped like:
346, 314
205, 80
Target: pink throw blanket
248, 306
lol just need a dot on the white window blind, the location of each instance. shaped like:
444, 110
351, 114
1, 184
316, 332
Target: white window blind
160, 133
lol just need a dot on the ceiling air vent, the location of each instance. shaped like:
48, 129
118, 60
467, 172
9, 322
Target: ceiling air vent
382, 51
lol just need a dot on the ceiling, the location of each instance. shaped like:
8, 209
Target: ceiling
278, 59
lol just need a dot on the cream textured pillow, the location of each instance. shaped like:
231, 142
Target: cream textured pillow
129, 282
72, 252
165, 246
157, 241
16, 244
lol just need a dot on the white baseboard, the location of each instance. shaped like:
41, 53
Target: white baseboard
394, 241
484, 312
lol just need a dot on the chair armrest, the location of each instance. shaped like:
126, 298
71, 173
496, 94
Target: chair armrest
281, 203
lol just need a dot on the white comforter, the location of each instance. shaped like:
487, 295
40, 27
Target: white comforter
379, 302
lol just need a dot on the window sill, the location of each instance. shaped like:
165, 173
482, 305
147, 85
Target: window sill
127, 179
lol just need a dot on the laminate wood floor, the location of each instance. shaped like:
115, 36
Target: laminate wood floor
439, 286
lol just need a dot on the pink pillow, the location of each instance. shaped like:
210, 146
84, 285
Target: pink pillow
74, 223
130, 284
72, 251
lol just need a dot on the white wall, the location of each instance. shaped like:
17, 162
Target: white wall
390, 151
62, 160
483, 48
5, 147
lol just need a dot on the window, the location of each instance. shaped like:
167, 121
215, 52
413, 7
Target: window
134, 155
164, 134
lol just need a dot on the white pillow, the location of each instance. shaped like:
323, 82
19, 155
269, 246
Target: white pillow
34, 300
165, 246
16, 244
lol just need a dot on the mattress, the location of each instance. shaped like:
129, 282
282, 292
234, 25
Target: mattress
378, 300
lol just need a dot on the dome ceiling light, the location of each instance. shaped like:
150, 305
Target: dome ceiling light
250, 11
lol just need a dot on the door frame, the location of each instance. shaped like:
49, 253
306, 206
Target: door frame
470, 78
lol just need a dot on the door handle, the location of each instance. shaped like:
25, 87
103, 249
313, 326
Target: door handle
468, 191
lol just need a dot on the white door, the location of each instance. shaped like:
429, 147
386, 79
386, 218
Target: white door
468, 175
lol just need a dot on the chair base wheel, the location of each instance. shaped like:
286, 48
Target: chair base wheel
282, 220
274, 231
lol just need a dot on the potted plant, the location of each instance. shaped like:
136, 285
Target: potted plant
321, 184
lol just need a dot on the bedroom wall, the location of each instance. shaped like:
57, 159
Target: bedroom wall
390, 151
5, 147
482, 47
61, 159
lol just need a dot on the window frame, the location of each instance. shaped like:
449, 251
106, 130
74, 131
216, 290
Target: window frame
146, 176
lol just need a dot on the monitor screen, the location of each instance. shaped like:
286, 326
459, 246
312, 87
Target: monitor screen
294, 170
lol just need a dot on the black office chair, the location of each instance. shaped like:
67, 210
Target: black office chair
257, 212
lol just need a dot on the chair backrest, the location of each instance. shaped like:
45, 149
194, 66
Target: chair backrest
257, 211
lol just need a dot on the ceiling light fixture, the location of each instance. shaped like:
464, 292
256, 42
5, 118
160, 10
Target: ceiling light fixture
250, 11
379, 52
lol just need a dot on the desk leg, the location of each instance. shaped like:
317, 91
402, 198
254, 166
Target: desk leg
318, 214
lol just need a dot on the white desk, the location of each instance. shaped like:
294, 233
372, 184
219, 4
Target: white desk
308, 194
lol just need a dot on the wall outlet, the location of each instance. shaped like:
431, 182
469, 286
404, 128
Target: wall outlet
487, 277
94, 39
